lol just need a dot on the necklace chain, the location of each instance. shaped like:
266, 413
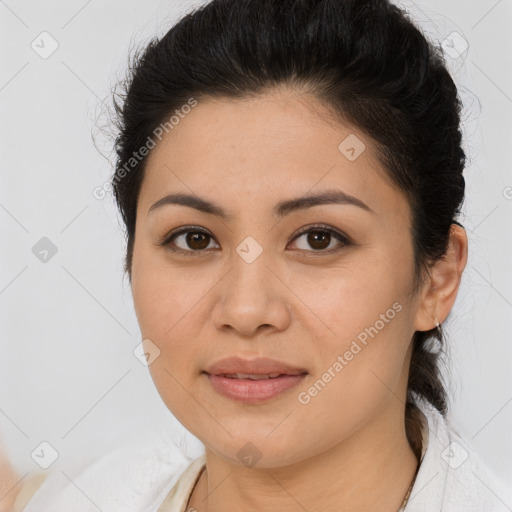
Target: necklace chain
404, 502
402, 506
408, 493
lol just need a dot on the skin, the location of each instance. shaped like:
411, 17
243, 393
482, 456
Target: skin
292, 303
9, 479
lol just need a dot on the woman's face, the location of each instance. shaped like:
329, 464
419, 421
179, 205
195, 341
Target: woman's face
261, 282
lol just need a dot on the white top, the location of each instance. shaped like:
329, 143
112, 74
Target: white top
160, 478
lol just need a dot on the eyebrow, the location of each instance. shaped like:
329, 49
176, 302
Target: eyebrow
280, 210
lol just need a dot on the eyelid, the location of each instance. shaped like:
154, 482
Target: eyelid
168, 238
321, 227
341, 237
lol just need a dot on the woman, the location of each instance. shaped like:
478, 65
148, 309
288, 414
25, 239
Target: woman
290, 173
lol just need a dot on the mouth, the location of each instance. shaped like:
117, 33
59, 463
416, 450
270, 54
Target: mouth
253, 388
239, 367
253, 381
263, 376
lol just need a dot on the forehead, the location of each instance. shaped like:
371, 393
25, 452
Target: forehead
274, 145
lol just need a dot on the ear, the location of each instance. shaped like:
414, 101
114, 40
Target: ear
440, 290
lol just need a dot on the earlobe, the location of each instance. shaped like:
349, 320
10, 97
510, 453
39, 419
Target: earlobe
441, 289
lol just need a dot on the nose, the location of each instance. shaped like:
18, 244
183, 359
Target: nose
251, 298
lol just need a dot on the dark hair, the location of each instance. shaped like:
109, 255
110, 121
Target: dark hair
365, 59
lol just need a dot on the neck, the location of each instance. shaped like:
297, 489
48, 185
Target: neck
370, 470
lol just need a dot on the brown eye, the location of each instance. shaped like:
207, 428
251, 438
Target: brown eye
320, 239
197, 240
188, 241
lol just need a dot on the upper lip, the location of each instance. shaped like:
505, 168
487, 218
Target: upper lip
258, 366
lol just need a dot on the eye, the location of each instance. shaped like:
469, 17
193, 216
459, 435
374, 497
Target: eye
193, 241
320, 237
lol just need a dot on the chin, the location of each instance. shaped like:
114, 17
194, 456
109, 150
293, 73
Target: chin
256, 448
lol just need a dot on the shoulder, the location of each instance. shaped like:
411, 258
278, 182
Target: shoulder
470, 483
131, 478
452, 476
179, 495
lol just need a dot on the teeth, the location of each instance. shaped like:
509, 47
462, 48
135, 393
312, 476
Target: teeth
253, 377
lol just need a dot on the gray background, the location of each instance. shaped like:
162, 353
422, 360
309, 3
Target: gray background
68, 374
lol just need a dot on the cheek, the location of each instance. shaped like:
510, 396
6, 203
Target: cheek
346, 302
359, 371
362, 327
165, 297
168, 316
164, 301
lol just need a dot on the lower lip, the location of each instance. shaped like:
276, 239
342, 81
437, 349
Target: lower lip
253, 391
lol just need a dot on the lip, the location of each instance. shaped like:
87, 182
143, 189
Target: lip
250, 391
253, 391
258, 366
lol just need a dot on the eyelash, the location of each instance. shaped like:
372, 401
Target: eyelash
167, 240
